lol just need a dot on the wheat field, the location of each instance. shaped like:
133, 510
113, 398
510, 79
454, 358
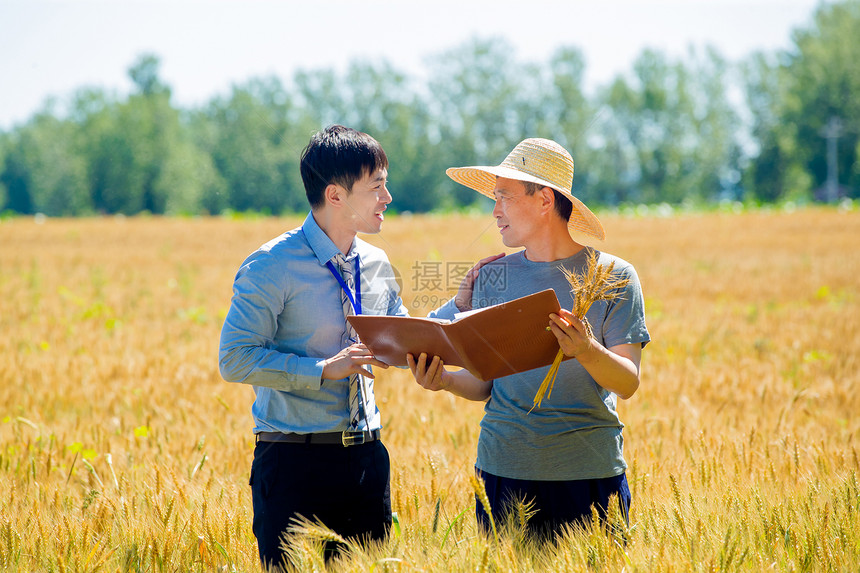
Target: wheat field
121, 449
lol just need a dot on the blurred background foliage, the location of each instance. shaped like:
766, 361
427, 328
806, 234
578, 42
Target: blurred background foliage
776, 127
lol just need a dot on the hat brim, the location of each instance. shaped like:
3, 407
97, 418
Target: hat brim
482, 178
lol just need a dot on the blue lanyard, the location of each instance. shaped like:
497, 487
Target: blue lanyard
354, 300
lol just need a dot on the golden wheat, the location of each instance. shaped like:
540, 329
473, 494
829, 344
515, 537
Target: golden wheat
741, 441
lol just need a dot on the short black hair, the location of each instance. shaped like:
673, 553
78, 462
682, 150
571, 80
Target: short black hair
339, 155
563, 205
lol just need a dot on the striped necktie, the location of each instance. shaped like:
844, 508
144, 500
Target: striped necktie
361, 399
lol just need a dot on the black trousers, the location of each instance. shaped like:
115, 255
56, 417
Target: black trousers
346, 488
558, 503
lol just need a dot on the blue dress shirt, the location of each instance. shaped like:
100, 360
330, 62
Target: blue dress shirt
286, 317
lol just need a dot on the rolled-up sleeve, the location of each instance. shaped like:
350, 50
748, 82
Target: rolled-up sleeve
247, 351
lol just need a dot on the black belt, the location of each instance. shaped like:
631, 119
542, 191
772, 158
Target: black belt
345, 438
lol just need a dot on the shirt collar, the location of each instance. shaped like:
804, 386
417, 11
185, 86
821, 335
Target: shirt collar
322, 246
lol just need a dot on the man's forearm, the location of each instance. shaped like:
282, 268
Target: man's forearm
262, 367
463, 384
613, 371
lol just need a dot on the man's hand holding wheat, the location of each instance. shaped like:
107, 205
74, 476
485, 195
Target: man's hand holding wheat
572, 333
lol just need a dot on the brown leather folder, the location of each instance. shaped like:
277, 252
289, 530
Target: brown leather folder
491, 342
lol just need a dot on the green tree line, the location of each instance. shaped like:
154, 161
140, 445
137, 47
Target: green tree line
774, 127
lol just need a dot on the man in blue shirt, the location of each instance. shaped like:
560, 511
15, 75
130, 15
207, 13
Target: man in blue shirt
567, 454
318, 451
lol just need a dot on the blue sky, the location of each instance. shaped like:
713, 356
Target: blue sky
205, 46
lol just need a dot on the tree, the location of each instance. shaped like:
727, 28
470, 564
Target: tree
475, 89
614, 168
646, 122
42, 172
669, 135
568, 117
188, 178
767, 175
144, 74
249, 138
823, 75
141, 156
5, 146
16, 181
91, 110
794, 95
715, 166
665, 131
386, 107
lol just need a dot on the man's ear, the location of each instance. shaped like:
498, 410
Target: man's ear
547, 201
333, 194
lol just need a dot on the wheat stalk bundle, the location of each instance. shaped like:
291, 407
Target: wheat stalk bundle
595, 284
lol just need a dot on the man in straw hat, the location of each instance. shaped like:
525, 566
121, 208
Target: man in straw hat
565, 456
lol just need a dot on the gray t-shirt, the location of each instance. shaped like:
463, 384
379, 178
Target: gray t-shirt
575, 434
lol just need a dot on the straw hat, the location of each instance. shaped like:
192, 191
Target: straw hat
540, 161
